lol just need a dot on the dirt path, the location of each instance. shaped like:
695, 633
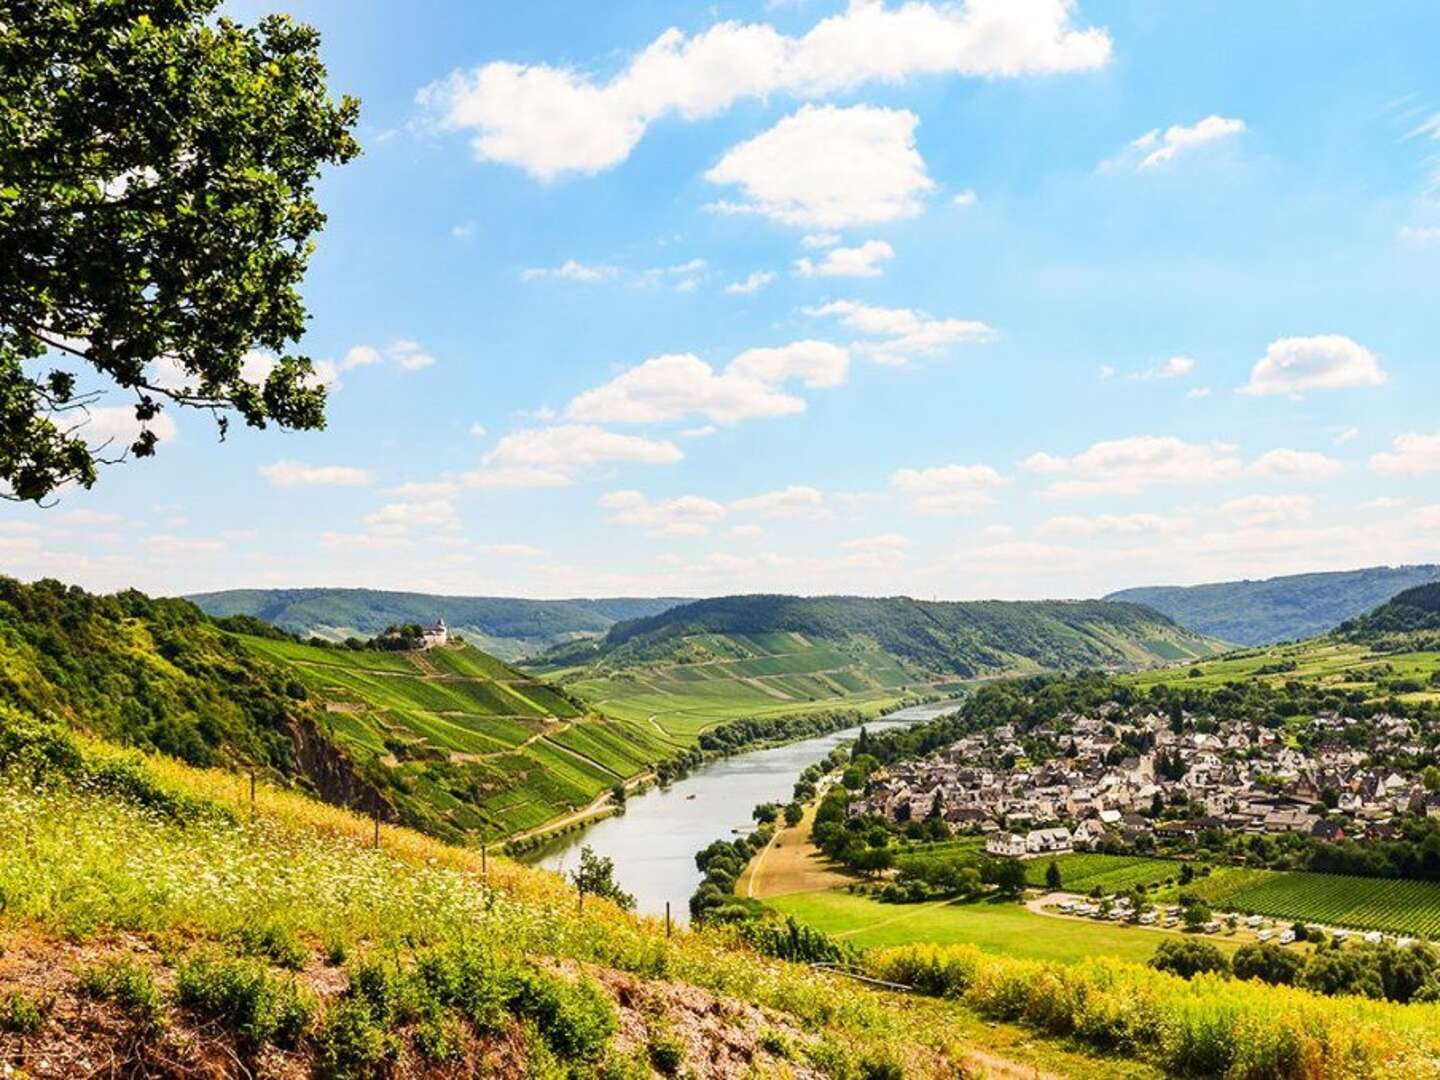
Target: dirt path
600, 802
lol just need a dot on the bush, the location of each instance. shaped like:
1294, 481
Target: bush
1189, 958
576, 1019
667, 1054
245, 998
274, 941
1269, 963
128, 984
352, 1043
21, 1015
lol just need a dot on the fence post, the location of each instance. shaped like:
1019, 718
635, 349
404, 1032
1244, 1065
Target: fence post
377, 826
667, 918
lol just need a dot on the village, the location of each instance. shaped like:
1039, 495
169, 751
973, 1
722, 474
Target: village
1090, 783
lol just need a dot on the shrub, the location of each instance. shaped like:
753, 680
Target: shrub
21, 1015
274, 941
1189, 958
128, 984
667, 1054
244, 997
1269, 963
576, 1019
352, 1043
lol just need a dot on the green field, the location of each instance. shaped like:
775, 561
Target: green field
1006, 928
465, 745
728, 676
1393, 906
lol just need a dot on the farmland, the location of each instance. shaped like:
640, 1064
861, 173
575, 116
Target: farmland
1386, 904
1108, 873
464, 745
996, 927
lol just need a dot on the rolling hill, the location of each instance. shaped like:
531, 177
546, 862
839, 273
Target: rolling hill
692, 665
505, 627
451, 741
1282, 608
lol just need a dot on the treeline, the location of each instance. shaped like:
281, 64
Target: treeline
398, 637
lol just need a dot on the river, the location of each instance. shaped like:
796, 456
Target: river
654, 842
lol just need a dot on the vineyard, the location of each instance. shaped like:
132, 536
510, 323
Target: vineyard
1108, 873
1387, 904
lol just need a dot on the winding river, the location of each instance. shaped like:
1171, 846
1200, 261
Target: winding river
654, 842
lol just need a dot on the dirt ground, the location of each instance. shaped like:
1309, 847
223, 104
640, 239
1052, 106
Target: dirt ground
789, 864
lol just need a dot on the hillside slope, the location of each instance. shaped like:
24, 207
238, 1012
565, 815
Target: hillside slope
1411, 620
452, 741
757, 655
508, 628
1282, 608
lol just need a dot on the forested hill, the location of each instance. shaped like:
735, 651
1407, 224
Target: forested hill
508, 628
964, 639
1282, 608
1411, 621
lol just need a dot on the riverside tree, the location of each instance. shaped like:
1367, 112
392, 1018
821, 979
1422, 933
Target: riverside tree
157, 165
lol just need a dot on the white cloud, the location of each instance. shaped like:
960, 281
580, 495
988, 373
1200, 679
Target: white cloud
1412, 454
1254, 511
550, 120
820, 241
1295, 365
829, 167
687, 515
1157, 147
1287, 464
745, 532
571, 270
862, 261
116, 428
550, 457
966, 198
362, 541
179, 547
1129, 466
288, 474
426, 489
403, 516
882, 544
407, 354
673, 387
510, 551
948, 489
1177, 367
477, 429
1198, 393
906, 333
87, 517
795, 502
751, 284
1107, 372
1345, 434
1113, 525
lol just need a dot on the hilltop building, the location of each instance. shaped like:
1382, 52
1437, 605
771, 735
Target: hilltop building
434, 635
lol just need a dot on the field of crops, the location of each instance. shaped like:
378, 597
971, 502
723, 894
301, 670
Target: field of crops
1109, 873
1400, 907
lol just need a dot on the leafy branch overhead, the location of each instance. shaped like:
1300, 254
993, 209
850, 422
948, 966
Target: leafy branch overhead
157, 213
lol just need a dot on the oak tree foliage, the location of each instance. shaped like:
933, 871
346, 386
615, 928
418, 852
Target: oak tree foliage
157, 213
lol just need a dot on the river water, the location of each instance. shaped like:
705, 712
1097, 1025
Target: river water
654, 842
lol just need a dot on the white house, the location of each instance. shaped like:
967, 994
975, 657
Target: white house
1048, 841
1006, 844
435, 635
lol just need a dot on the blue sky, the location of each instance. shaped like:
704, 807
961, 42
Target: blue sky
1007, 298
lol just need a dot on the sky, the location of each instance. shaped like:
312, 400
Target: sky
990, 299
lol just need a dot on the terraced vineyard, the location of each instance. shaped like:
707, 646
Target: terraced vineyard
1394, 906
724, 676
464, 745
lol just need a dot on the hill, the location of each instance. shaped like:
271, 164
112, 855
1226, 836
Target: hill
451, 741
696, 663
1282, 608
507, 628
1411, 620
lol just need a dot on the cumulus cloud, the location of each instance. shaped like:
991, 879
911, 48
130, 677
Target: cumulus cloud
751, 284
1285, 464
1296, 365
862, 261
403, 353
687, 515
1254, 511
180, 547
881, 544
510, 551
948, 489
795, 502
403, 516
289, 474
903, 334
1177, 367
1129, 466
829, 167
1158, 147
552, 456
1419, 235
116, 428
1411, 454
677, 386
966, 198
571, 270
1113, 525
551, 120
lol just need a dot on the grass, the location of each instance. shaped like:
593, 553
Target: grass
1006, 929
181, 862
1108, 873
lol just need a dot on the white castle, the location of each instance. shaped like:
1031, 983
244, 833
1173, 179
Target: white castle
434, 635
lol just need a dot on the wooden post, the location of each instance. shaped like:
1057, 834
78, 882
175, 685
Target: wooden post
252, 790
667, 918
377, 826
580, 900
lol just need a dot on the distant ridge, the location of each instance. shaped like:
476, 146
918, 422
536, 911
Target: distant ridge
507, 627
1281, 608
